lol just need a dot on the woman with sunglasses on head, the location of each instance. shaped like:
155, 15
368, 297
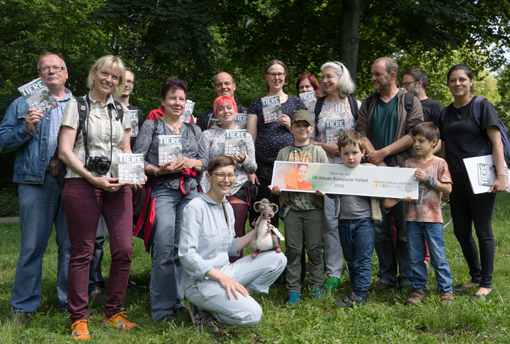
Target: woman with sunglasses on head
225, 109
334, 117
269, 138
463, 136
91, 188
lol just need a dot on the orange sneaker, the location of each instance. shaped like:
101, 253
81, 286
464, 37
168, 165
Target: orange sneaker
80, 330
119, 320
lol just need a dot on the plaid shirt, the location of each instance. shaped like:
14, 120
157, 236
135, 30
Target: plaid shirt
56, 117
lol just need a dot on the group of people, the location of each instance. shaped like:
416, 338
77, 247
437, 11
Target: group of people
196, 207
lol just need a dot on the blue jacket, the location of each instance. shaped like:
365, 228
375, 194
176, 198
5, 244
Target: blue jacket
31, 150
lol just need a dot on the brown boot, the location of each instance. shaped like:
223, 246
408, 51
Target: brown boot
446, 298
417, 296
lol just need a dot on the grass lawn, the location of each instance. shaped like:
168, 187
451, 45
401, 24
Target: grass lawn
384, 320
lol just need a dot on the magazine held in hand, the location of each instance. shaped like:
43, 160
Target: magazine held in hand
169, 148
235, 142
310, 99
38, 96
131, 168
241, 120
271, 108
188, 111
482, 173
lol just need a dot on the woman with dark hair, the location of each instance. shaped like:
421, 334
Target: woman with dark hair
269, 138
225, 109
308, 83
465, 136
92, 189
216, 289
172, 186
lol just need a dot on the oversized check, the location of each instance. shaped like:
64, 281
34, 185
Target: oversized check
361, 180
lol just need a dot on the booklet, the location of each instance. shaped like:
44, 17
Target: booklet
169, 148
241, 120
188, 111
131, 168
133, 116
235, 142
482, 173
310, 99
38, 96
333, 129
271, 108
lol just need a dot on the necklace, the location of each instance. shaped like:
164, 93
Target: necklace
174, 129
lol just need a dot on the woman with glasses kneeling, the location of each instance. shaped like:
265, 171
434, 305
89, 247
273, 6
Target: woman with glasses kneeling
91, 188
171, 186
215, 288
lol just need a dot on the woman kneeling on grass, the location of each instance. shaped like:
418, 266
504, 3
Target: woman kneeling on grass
207, 240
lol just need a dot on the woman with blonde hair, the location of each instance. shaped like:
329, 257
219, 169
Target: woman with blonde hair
91, 188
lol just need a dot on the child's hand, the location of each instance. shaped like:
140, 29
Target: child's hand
408, 198
275, 190
420, 174
320, 193
390, 202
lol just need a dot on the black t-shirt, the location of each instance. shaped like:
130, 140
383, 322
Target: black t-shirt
135, 131
207, 120
463, 137
431, 110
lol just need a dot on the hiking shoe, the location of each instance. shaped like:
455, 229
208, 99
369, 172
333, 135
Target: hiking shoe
332, 283
97, 296
169, 318
417, 296
119, 320
318, 293
446, 298
381, 286
202, 320
350, 300
181, 310
293, 299
80, 330
19, 319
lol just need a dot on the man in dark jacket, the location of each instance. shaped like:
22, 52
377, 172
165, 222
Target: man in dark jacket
386, 127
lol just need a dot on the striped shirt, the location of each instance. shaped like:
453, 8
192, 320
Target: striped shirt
56, 117
100, 133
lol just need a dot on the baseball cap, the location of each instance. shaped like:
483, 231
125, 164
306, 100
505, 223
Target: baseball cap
301, 115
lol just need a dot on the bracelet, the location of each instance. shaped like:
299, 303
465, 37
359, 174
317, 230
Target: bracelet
156, 171
430, 182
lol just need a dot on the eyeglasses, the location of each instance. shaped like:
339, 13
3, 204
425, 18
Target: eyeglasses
56, 69
106, 74
405, 84
222, 176
130, 82
276, 75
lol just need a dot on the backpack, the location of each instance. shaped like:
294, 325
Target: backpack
320, 103
477, 114
57, 167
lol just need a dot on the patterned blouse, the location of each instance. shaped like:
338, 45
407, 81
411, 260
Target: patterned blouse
338, 113
192, 145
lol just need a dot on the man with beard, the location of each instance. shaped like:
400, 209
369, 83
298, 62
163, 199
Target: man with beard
415, 81
386, 121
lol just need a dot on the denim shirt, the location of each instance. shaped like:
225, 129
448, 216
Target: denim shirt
31, 150
206, 239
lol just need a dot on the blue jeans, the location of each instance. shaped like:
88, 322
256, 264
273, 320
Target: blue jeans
357, 238
433, 233
386, 251
96, 280
39, 207
167, 290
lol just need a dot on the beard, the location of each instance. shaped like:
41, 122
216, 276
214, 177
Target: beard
384, 85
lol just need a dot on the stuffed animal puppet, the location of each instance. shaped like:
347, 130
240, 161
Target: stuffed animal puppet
266, 235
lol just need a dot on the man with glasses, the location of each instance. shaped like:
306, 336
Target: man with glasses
223, 86
33, 136
386, 122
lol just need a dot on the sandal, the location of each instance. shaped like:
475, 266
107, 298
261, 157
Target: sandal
446, 298
461, 287
416, 297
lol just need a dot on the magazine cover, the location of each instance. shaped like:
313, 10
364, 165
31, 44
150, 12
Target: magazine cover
271, 108
169, 148
241, 120
131, 168
188, 111
235, 142
334, 129
310, 99
482, 173
133, 116
38, 96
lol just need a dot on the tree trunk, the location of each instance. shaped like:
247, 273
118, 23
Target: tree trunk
349, 35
